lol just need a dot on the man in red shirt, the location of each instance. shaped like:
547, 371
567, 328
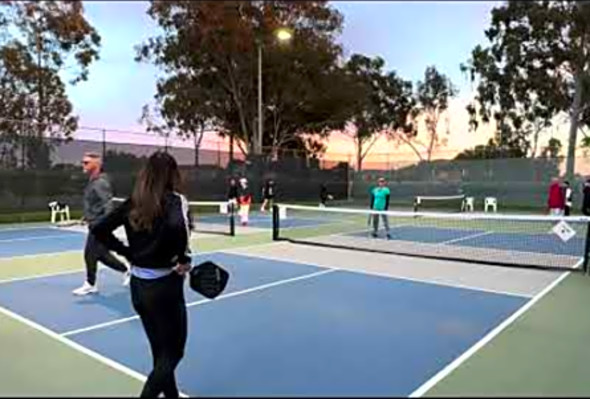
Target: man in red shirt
556, 201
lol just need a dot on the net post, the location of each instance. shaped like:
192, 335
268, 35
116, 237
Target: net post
586, 249
275, 222
232, 219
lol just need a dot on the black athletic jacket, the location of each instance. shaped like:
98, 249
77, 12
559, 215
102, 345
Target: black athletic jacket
586, 200
166, 245
232, 192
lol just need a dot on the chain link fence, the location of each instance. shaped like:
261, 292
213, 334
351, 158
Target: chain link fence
34, 172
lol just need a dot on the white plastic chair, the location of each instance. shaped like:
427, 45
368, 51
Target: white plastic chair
63, 212
490, 202
468, 204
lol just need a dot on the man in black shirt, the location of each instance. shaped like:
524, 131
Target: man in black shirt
268, 195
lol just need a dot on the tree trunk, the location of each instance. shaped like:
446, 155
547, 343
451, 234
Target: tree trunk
231, 153
574, 123
197, 144
359, 155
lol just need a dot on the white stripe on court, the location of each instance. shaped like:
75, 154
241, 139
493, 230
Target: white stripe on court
449, 368
67, 234
24, 228
203, 301
109, 362
466, 237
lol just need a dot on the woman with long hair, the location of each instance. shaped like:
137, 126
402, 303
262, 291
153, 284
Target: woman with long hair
157, 223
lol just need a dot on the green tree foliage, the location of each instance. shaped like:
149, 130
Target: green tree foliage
427, 104
38, 41
208, 56
535, 67
492, 150
432, 98
382, 102
553, 149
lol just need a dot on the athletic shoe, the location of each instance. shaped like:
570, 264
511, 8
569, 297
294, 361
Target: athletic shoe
85, 289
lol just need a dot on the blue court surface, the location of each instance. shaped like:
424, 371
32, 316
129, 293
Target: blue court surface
537, 243
39, 240
285, 328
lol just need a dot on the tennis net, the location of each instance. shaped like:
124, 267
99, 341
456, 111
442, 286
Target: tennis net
545, 242
210, 217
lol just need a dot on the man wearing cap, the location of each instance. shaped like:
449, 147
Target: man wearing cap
380, 202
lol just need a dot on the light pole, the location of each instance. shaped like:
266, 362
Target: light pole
283, 35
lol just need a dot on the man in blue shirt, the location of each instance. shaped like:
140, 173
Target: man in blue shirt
380, 202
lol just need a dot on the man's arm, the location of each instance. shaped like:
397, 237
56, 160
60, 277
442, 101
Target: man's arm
104, 192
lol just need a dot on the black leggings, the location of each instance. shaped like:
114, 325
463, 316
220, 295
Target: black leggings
161, 306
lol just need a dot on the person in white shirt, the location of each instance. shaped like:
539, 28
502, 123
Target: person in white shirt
568, 193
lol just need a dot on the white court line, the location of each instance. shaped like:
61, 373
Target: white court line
203, 301
40, 226
449, 368
42, 237
82, 349
465, 238
56, 274
376, 273
9, 258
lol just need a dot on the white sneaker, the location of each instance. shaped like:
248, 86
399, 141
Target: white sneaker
127, 279
85, 289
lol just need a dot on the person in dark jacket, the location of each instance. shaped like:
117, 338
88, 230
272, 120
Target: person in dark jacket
156, 220
232, 193
97, 203
567, 198
586, 199
268, 195
324, 195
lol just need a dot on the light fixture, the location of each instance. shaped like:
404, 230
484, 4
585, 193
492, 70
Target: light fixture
283, 34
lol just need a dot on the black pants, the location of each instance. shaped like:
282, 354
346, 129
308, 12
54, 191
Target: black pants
161, 306
96, 251
566, 210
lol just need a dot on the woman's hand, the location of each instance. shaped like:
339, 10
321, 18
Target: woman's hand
182, 269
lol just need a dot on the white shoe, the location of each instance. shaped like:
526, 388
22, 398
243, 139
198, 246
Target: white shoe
85, 289
127, 279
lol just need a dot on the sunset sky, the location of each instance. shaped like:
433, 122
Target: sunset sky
408, 35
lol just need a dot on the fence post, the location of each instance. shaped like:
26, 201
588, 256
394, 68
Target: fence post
104, 144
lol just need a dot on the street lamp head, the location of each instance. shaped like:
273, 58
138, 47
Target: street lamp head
283, 34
